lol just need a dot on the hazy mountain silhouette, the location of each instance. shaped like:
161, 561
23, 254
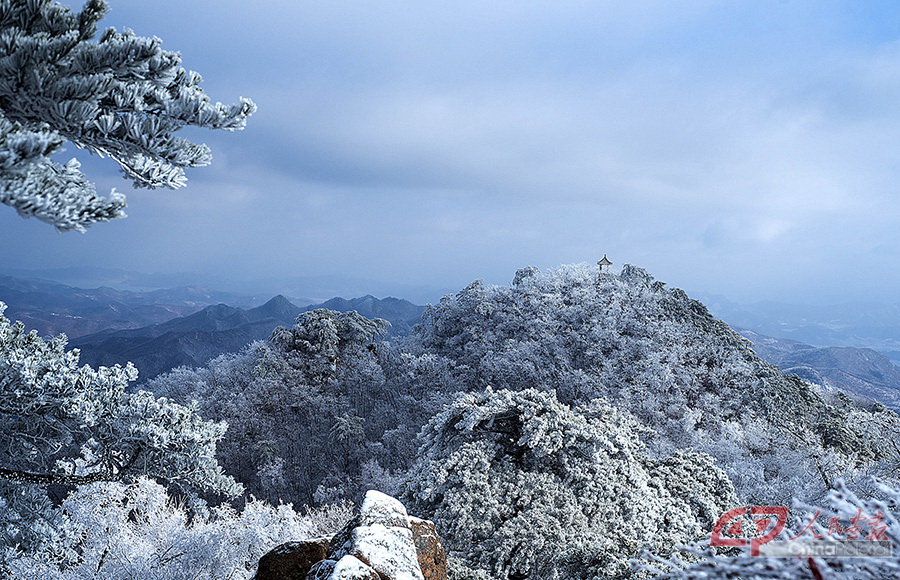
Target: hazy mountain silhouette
853, 324
196, 339
52, 308
858, 371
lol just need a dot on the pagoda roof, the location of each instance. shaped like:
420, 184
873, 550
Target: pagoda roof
604, 262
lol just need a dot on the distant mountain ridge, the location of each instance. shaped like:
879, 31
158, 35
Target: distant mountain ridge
402, 314
213, 318
52, 308
311, 289
853, 324
859, 371
196, 339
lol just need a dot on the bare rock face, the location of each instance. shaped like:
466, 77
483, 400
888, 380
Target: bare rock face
430, 551
380, 543
293, 560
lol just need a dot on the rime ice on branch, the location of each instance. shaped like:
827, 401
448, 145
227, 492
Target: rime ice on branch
122, 96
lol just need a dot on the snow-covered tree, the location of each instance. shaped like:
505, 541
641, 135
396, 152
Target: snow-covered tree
120, 96
522, 486
307, 409
62, 425
661, 356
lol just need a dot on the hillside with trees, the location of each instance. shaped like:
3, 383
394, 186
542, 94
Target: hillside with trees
324, 410
621, 399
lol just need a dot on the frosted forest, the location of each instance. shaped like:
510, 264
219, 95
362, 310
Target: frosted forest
577, 423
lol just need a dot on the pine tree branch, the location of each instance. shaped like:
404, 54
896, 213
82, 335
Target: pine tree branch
58, 478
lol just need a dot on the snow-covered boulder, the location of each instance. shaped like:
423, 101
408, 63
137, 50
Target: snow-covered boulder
347, 568
380, 537
381, 542
380, 508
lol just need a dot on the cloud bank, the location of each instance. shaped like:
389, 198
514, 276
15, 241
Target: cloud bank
747, 149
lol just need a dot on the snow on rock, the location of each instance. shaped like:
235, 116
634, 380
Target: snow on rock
383, 543
380, 508
389, 550
381, 537
347, 568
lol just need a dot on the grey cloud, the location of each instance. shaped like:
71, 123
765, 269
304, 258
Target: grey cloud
729, 146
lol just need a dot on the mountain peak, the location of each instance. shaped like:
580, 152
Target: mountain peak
279, 301
215, 317
277, 307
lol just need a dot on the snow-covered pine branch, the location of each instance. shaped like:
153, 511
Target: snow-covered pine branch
122, 96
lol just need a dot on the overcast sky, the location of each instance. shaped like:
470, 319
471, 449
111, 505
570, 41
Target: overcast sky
750, 148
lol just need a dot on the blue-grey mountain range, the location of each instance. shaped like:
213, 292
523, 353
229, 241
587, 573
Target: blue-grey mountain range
160, 329
52, 308
853, 324
858, 371
243, 292
196, 339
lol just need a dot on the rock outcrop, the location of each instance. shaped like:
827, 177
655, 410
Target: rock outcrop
292, 560
382, 542
430, 551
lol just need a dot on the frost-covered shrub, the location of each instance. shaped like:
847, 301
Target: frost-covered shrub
523, 486
65, 425
136, 531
